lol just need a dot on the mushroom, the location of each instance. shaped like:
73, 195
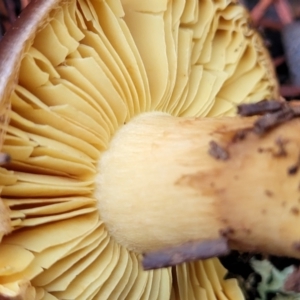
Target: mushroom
88, 88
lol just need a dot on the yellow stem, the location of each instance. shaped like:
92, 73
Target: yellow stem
165, 181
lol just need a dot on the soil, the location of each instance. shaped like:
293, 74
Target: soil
238, 266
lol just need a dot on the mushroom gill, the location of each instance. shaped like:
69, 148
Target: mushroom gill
73, 73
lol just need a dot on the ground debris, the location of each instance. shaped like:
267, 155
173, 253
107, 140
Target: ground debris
259, 108
218, 151
271, 120
281, 143
292, 170
272, 112
186, 252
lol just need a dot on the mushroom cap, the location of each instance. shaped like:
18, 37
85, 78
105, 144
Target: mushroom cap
72, 73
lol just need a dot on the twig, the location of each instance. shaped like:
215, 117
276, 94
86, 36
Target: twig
269, 121
10, 7
259, 108
185, 253
273, 114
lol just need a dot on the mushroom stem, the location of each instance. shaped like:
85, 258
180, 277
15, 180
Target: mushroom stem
166, 181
